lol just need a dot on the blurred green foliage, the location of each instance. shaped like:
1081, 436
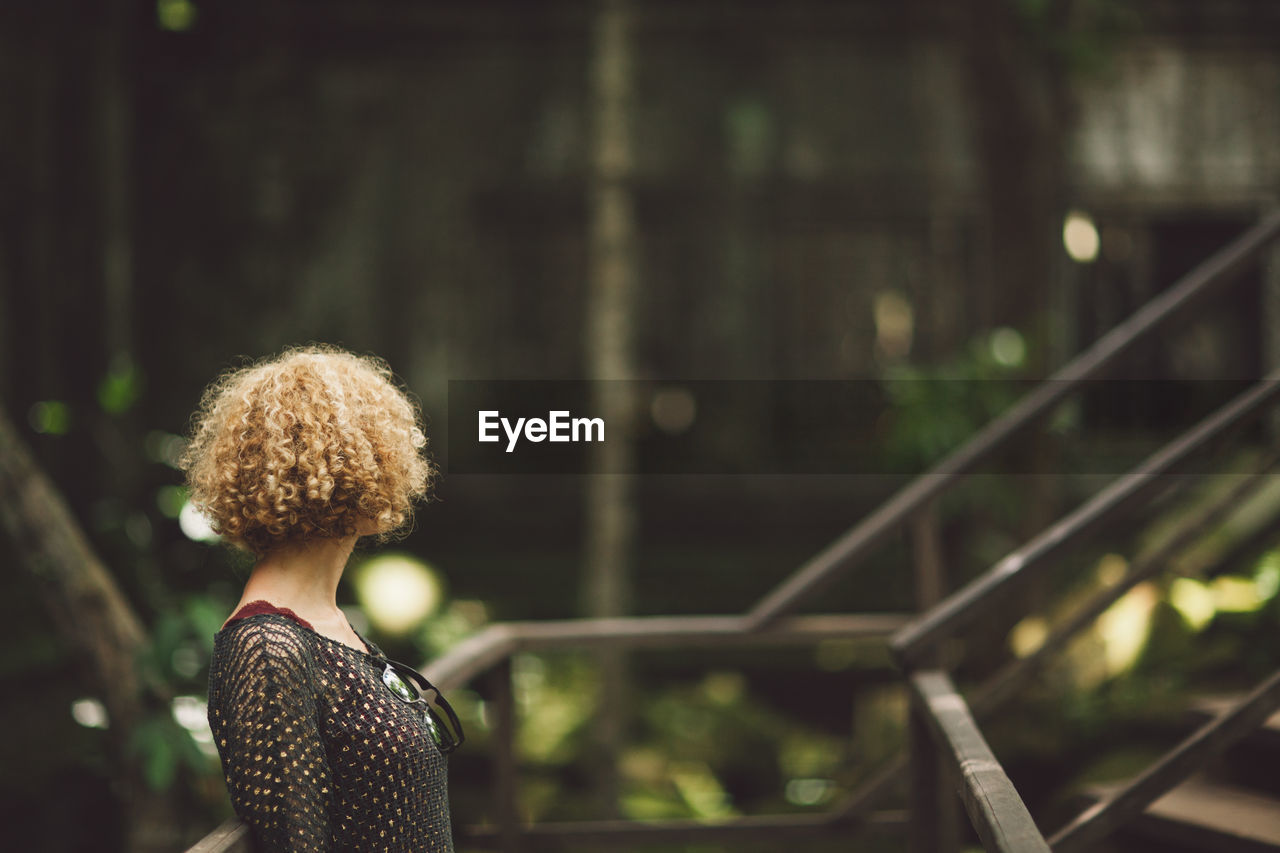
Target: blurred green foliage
935, 408
1081, 35
176, 15
120, 388
174, 735
50, 417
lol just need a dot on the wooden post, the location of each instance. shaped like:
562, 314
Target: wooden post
935, 811
926, 552
925, 831
996, 811
510, 835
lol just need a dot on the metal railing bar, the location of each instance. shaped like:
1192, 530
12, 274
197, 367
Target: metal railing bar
742, 829
485, 649
964, 605
997, 812
1210, 740
847, 551
999, 687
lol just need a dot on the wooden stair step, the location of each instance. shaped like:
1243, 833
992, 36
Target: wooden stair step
1209, 816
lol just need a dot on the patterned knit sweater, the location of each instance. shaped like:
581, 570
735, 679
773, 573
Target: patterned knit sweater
318, 754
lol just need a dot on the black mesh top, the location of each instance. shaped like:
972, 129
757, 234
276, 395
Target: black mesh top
318, 753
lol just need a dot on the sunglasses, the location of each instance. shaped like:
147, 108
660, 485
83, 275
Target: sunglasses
412, 687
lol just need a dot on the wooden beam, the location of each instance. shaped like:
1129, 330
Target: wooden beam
481, 651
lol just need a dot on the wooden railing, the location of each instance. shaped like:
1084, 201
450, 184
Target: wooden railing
982, 594
487, 656
998, 814
933, 743
944, 738
859, 542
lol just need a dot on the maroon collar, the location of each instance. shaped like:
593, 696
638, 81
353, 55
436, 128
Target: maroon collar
259, 607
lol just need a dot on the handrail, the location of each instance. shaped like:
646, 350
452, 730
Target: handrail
1209, 741
995, 809
857, 543
1097, 822
230, 836
992, 694
964, 605
467, 659
1006, 680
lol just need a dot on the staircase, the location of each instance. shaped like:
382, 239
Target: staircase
1190, 799
1231, 806
1201, 814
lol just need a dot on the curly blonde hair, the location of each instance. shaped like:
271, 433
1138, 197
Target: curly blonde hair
306, 445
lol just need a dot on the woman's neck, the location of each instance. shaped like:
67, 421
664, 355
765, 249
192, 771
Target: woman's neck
302, 577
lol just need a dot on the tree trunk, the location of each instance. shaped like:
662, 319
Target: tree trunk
1020, 101
611, 286
1018, 93
88, 610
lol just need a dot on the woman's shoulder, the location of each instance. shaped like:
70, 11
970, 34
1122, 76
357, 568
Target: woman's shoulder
263, 641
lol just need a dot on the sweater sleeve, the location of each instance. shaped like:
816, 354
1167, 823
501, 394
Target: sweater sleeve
268, 736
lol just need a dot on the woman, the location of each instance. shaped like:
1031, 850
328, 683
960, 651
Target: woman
325, 744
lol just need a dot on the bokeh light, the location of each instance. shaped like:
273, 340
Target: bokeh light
175, 15
89, 713
397, 591
1008, 347
1080, 237
895, 324
673, 409
191, 713
50, 417
194, 524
